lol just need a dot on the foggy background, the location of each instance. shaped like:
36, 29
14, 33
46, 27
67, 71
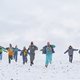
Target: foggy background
40, 21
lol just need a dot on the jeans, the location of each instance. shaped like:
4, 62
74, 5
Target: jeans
0, 56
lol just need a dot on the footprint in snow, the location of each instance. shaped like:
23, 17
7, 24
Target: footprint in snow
12, 79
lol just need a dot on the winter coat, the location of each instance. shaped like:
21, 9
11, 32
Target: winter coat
70, 51
44, 49
32, 48
16, 51
24, 53
10, 52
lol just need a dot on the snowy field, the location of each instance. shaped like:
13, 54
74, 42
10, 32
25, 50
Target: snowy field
40, 21
60, 69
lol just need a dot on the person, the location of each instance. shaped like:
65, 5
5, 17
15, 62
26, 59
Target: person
32, 48
1, 51
10, 53
70, 53
16, 53
24, 55
48, 50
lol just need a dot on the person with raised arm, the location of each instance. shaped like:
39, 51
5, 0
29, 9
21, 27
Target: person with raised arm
48, 50
32, 48
24, 54
10, 52
2, 49
70, 52
16, 50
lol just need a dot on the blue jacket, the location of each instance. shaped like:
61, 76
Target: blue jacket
44, 49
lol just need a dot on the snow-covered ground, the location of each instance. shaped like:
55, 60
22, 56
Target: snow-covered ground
40, 21
59, 69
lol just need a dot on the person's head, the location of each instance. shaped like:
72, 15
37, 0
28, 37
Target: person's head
0, 47
48, 43
70, 47
32, 43
24, 48
16, 46
10, 45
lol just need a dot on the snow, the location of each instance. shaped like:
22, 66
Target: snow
56, 21
60, 69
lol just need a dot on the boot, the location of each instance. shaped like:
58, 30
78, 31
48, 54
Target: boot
46, 65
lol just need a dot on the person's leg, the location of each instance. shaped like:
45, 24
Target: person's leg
50, 58
47, 60
9, 57
1, 56
70, 58
30, 59
26, 59
16, 57
33, 56
23, 60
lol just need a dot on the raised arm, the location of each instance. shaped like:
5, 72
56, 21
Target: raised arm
41, 49
4, 49
29, 48
36, 48
66, 51
79, 51
75, 49
19, 50
53, 46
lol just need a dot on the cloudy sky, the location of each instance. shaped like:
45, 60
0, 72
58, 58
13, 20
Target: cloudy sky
23, 21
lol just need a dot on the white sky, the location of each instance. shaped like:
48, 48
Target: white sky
23, 21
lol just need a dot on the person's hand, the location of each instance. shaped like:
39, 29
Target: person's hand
79, 51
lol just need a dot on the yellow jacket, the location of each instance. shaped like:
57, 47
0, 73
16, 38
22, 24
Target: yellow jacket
25, 52
10, 52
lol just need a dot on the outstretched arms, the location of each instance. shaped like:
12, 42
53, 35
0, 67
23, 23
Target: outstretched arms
36, 48
19, 50
75, 49
79, 51
53, 46
66, 51
41, 50
4, 49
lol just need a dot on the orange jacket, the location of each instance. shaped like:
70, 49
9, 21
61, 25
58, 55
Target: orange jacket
10, 52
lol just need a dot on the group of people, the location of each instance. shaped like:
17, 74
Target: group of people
48, 50
13, 53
